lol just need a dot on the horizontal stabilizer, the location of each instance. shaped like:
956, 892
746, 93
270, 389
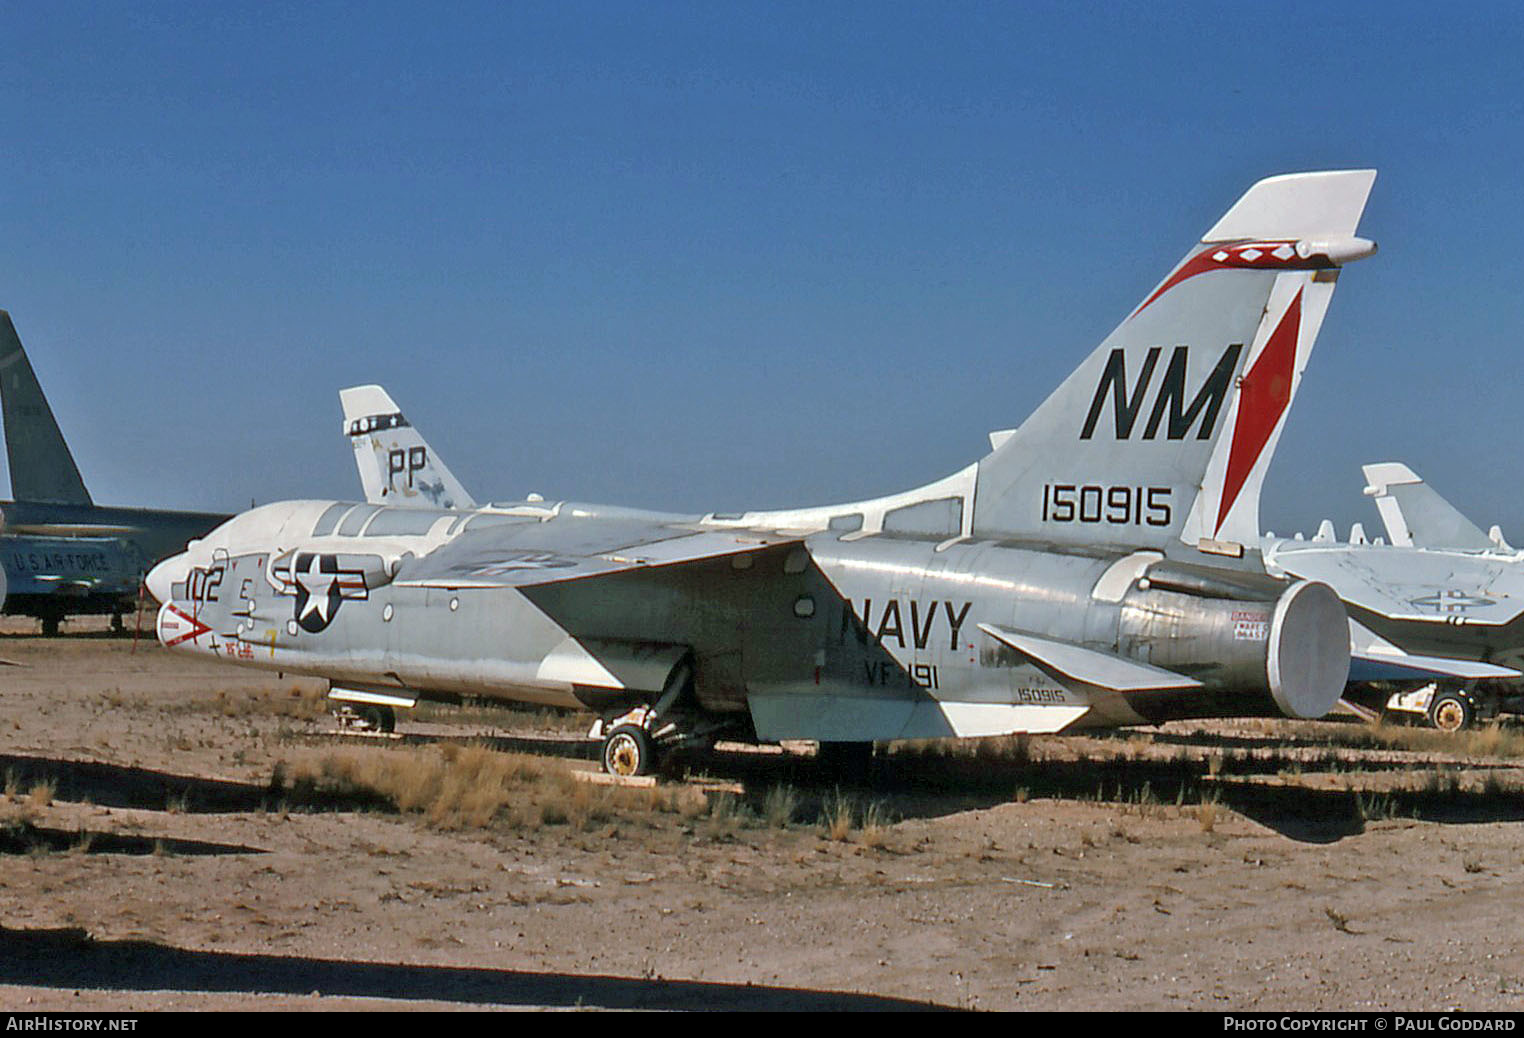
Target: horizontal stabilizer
1298, 206
1090, 666
827, 718
1405, 667
1373, 658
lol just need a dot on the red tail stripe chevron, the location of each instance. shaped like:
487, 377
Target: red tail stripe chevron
1263, 397
1247, 255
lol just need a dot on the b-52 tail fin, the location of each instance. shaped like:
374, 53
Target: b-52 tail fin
1165, 431
1416, 516
396, 466
42, 469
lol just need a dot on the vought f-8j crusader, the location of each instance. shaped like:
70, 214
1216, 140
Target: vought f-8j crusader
1097, 567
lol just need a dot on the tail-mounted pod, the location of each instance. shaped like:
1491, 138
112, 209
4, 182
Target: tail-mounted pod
1286, 656
1307, 659
1337, 251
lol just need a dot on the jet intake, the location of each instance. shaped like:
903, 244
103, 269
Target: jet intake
1289, 656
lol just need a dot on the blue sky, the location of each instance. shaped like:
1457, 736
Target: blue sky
702, 256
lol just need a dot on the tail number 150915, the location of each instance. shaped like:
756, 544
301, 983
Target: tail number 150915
1117, 506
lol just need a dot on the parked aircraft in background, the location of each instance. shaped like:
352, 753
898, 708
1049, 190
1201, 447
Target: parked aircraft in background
1416, 516
396, 466
1442, 597
1098, 567
62, 555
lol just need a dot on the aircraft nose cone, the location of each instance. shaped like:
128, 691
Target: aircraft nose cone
163, 577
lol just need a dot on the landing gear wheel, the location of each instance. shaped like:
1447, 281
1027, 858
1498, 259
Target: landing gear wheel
384, 718
372, 717
1451, 711
628, 751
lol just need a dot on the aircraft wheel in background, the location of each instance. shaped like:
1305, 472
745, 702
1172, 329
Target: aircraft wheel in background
366, 717
1451, 711
380, 718
628, 751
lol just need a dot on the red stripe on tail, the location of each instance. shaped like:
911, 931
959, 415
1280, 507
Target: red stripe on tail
1263, 398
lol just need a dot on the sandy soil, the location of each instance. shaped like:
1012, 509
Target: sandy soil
153, 868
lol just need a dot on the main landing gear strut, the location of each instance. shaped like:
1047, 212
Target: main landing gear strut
638, 741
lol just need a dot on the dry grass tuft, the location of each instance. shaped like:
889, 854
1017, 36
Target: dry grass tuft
875, 825
779, 806
836, 816
1002, 749
1492, 740
293, 703
727, 811
455, 787
1206, 815
513, 716
840, 816
41, 794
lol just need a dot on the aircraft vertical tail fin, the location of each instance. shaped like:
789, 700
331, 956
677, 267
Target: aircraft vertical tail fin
42, 469
1415, 515
1165, 431
396, 465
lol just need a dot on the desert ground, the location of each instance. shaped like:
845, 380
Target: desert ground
178, 834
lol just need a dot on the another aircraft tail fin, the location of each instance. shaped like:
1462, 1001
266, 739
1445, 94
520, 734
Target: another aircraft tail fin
1415, 515
1165, 431
42, 469
396, 466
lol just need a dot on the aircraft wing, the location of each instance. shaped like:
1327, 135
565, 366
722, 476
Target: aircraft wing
1373, 658
1433, 586
526, 555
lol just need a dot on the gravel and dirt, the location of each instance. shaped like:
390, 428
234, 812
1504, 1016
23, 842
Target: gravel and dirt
173, 838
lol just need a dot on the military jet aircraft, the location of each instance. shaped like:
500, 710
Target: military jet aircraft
61, 554
1097, 567
1443, 602
1449, 691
